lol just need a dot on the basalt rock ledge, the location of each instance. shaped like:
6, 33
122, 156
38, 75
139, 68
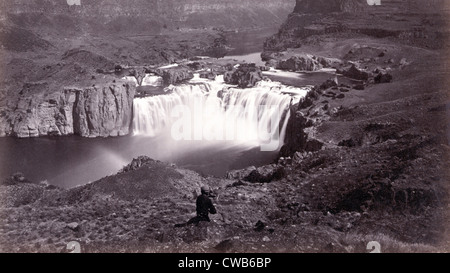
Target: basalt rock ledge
101, 110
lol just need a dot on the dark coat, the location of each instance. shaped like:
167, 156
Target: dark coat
204, 207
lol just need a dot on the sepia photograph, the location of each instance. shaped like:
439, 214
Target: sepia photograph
224, 127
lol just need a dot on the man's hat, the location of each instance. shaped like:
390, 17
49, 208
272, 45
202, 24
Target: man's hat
205, 189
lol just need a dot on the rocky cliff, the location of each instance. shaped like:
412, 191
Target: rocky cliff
127, 15
97, 111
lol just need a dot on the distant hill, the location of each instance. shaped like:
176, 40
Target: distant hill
158, 13
326, 6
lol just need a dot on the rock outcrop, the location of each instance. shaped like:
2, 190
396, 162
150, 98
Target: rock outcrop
304, 62
246, 75
383, 77
102, 111
354, 72
97, 111
173, 75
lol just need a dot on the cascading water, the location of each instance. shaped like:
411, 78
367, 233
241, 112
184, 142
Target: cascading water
148, 80
211, 110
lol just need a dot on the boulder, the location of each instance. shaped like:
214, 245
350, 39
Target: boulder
73, 226
245, 76
383, 77
195, 65
266, 174
300, 62
403, 62
329, 83
259, 226
175, 75
313, 146
208, 75
356, 73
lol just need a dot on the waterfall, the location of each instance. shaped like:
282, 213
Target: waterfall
211, 110
148, 80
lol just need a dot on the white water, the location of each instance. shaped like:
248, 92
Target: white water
213, 111
149, 80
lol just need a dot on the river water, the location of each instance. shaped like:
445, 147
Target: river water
72, 161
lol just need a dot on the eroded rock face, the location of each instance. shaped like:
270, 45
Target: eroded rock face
97, 111
103, 111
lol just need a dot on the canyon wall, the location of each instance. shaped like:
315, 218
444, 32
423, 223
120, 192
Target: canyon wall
312, 20
98, 111
176, 13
